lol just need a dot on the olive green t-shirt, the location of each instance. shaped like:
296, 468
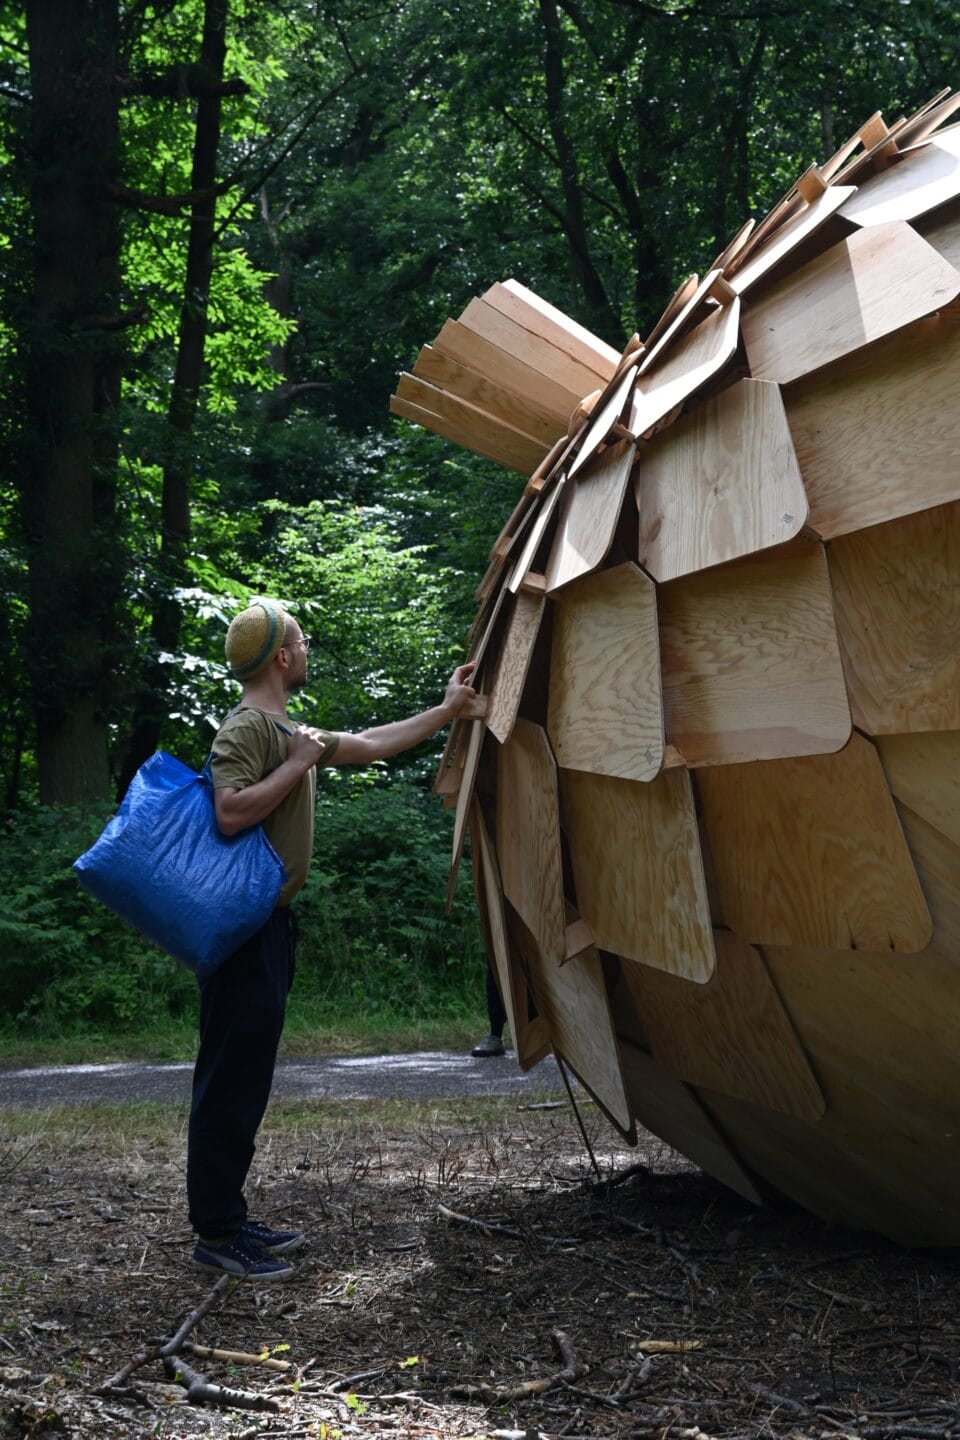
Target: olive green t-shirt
249, 745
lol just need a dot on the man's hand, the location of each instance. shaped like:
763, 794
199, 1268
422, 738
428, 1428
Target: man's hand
305, 746
459, 693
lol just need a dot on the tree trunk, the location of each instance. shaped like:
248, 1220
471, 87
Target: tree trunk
151, 706
68, 457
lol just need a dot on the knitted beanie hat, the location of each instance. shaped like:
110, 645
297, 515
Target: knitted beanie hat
254, 637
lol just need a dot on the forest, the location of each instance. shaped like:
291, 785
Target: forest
227, 228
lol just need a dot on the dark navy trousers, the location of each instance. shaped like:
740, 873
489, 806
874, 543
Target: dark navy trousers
242, 1009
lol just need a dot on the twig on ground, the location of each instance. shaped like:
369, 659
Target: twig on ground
490, 1227
200, 1391
236, 1357
507, 1394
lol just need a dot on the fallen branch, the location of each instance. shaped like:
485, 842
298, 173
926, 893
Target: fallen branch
200, 1391
166, 1347
489, 1227
498, 1395
236, 1357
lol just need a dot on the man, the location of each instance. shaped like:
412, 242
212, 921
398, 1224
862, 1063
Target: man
264, 772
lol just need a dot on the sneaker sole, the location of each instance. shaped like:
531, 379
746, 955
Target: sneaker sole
266, 1276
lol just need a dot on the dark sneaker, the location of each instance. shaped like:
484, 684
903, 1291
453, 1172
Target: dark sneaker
274, 1242
489, 1045
242, 1258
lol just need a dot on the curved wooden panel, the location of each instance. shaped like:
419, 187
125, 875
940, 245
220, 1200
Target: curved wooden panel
604, 713
590, 516
751, 664
922, 180
923, 772
877, 436
897, 595
732, 1034
858, 291
528, 836
513, 662
635, 852
810, 852
694, 360
721, 483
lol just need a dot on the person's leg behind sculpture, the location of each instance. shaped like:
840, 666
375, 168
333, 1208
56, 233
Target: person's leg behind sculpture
492, 1042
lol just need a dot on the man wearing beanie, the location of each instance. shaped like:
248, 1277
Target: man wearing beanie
264, 772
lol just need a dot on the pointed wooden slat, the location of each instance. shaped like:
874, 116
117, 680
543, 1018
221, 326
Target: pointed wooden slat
604, 711
789, 236
810, 852
544, 319
731, 1034
573, 1001
507, 371
923, 772
878, 436
519, 411
531, 1047
464, 797
897, 597
930, 118
590, 516
721, 483
528, 836
694, 360
876, 157
635, 853
670, 1109
674, 305
657, 349
729, 254
461, 412
541, 355
535, 536
873, 283
508, 448
922, 180
751, 664
608, 413
513, 662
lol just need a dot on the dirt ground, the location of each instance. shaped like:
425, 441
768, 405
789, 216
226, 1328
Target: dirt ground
467, 1274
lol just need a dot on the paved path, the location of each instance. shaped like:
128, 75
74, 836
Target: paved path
427, 1075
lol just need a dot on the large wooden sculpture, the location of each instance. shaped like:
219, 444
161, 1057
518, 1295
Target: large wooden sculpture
714, 792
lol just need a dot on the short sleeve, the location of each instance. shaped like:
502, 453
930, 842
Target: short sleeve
330, 743
240, 755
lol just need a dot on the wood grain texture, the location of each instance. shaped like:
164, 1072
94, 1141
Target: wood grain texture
668, 1108
533, 350
461, 412
920, 181
508, 448
751, 663
694, 360
810, 852
493, 363
531, 1045
513, 662
448, 374
589, 517
573, 1002
635, 853
789, 237
528, 836
877, 436
732, 1034
869, 285
881, 1033
544, 319
609, 409
897, 599
659, 345
604, 711
942, 231
535, 534
923, 772
464, 797
721, 483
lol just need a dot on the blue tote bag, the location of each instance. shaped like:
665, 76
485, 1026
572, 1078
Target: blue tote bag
162, 865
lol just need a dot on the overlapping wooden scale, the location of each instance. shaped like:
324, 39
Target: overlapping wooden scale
731, 1034
635, 855
751, 663
877, 281
722, 483
809, 852
604, 712
897, 594
810, 1040
877, 434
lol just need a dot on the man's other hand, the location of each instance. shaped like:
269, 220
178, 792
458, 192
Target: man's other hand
459, 692
306, 746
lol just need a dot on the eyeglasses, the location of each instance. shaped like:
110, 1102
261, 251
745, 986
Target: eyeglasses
301, 640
